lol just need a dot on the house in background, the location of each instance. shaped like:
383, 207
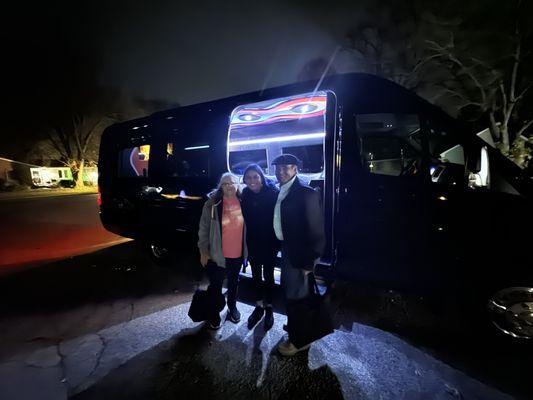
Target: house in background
61, 176
18, 173
51, 176
15, 172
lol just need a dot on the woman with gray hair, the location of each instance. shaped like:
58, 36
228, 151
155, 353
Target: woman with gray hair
222, 244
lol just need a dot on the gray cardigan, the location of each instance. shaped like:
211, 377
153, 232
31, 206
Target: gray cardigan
210, 235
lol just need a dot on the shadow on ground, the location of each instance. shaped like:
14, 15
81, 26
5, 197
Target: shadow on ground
195, 365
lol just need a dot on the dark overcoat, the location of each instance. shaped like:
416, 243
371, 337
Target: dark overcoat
302, 223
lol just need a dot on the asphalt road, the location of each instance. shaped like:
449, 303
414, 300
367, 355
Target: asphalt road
35, 230
110, 324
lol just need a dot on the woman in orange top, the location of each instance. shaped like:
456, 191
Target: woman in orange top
221, 243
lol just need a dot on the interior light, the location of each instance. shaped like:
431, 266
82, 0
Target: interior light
197, 147
290, 138
443, 198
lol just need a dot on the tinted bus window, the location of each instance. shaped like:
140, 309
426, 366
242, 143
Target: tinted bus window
133, 162
239, 160
390, 143
186, 161
312, 157
447, 156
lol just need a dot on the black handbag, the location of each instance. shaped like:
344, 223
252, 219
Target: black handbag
204, 305
309, 318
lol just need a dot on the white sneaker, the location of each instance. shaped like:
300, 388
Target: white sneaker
287, 349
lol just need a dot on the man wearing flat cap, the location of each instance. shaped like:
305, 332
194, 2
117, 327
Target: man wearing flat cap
299, 225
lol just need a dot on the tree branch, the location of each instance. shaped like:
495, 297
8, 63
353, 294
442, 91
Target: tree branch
77, 122
504, 96
445, 52
89, 135
462, 97
65, 141
57, 145
523, 92
524, 128
516, 64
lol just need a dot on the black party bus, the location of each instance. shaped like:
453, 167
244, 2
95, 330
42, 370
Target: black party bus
411, 199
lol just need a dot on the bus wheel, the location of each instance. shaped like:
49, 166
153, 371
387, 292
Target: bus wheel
160, 253
511, 311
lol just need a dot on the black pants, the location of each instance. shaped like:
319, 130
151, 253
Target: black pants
217, 275
263, 277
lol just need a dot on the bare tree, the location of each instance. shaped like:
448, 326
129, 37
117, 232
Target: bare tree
75, 142
456, 57
75, 135
390, 42
493, 87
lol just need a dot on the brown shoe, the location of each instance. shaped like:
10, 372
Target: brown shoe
287, 349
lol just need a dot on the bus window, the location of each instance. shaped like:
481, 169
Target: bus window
312, 157
390, 144
239, 160
447, 157
133, 161
186, 160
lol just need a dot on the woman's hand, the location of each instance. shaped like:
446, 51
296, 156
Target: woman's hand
204, 258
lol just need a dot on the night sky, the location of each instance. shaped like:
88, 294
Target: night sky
185, 52
56, 53
179, 52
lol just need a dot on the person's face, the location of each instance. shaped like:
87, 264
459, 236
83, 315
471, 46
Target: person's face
229, 186
285, 172
253, 180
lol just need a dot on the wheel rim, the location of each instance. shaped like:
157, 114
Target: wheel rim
511, 311
158, 251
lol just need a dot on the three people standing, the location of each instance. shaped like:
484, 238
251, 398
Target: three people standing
291, 216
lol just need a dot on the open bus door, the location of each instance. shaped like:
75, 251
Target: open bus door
304, 125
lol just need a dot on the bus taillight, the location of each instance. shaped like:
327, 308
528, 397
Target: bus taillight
99, 198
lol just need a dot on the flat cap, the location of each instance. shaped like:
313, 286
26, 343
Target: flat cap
286, 159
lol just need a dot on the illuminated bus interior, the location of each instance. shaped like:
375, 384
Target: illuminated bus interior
259, 132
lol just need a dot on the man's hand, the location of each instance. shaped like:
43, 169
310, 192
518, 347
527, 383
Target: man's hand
204, 258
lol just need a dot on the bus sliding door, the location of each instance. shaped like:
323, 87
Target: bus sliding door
383, 208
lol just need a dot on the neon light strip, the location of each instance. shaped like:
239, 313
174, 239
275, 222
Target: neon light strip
197, 147
279, 139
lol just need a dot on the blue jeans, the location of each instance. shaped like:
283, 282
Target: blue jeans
294, 281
